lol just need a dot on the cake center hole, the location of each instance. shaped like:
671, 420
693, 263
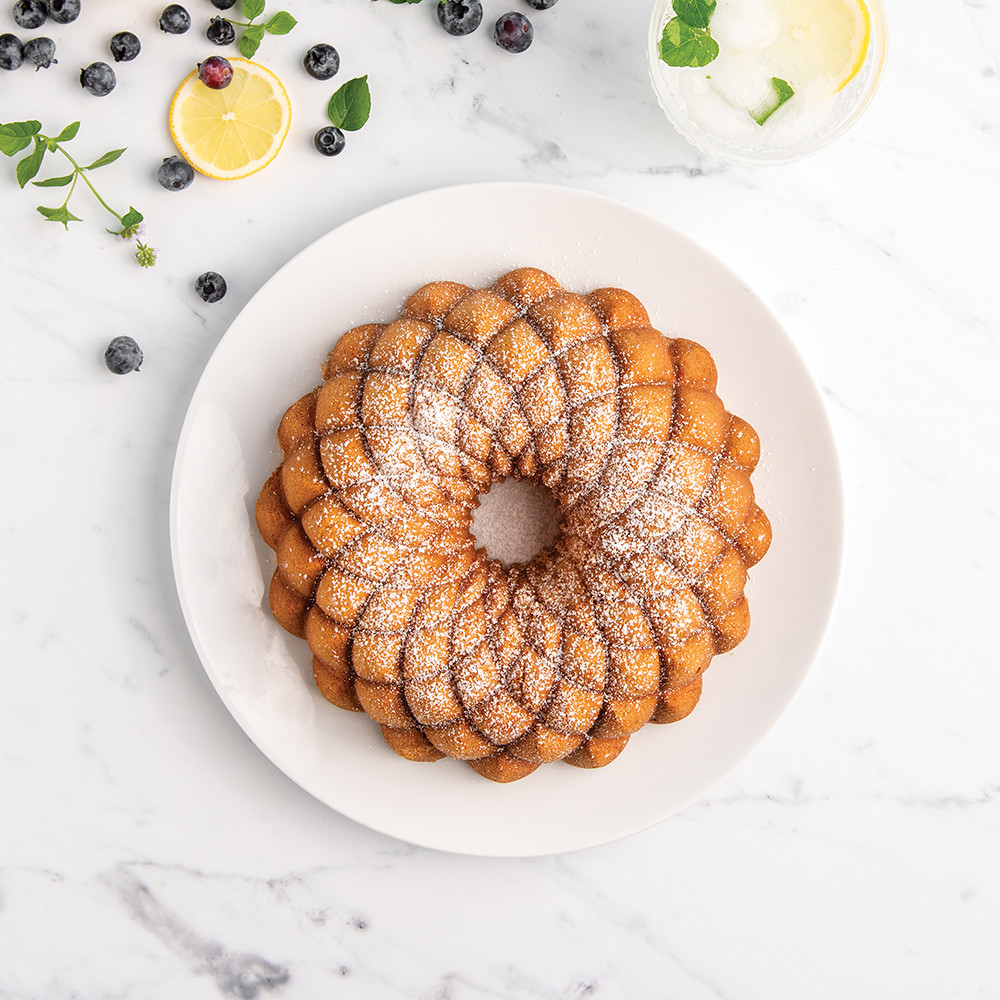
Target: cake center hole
515, 520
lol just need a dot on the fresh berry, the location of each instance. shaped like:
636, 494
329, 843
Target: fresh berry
11, 52
460, 17
220, 31
175, 20
541, 4
513, 32
123, 355
125, 46
215, 72
99, 78
41, 52
329, 141
174, 173
211, 286
322, 61
29, 13
223, 4
63, 11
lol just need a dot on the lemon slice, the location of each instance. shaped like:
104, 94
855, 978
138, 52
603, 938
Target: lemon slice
821, 38
233, 132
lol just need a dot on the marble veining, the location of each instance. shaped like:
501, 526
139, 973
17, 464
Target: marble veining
148, 850
239, 974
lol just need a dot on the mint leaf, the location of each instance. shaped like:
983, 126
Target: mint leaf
55, 182
69, 132
103, 161
253, 8
11, 145
251, 40
61, 214
280, 24
696, 13
130, 227
351, 105
28, 167
682, 45
782, 91
28, 128
15, 136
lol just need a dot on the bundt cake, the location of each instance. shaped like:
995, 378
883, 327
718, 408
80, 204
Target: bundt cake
610, 627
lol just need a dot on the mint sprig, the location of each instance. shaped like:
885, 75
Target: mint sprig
351, 105
15, 137
686, 39
278, 24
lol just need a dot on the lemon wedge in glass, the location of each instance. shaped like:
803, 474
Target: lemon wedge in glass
820, 38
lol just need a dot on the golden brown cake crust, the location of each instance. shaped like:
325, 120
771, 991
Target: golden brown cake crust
609, 628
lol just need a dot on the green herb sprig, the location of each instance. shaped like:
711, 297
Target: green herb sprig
15, 137
253, 34
351, 104
687, 41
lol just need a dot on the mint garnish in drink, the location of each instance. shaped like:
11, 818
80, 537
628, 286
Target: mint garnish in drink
696, 13
781, 91
687, 41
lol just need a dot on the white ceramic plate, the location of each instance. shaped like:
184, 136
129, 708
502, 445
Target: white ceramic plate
361, 272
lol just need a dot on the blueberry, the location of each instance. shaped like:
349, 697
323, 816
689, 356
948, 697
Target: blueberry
541, 4
125, 46
123, 355
11, 52
174, 173
99, 78
175, 20
322, 61
513, 32
41, 52
223, 4
220, 31
215, 72
63, 11
211, 286
460, 17
29, 13
329, 141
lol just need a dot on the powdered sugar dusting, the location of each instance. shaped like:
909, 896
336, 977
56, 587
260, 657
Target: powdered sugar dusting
529, 623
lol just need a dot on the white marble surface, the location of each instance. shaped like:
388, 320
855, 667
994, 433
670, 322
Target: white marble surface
148, 850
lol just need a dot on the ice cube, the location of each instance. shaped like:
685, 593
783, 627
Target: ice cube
744, 25
741, 80
711, 113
